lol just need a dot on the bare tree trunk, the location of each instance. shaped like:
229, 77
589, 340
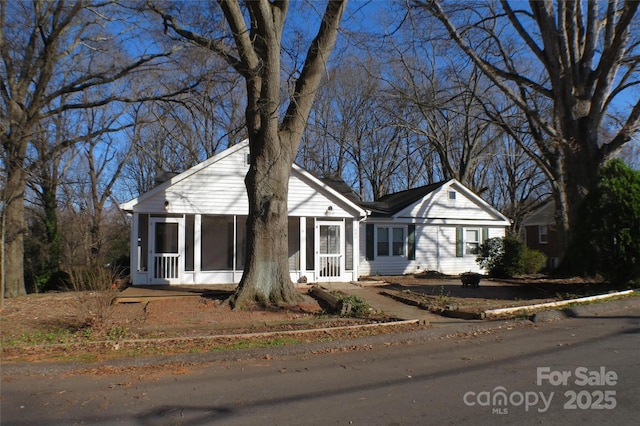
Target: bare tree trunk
14, 233
266, 278
272, 142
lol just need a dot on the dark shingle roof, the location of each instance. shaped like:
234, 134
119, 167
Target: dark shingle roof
387, 205
391, 204
343, 188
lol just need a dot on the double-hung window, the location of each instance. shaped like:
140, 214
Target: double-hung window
397, 243
382, 241
543, 234
472, 241
390, 241
468, 240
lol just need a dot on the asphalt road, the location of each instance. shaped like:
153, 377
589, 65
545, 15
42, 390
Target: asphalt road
574, 371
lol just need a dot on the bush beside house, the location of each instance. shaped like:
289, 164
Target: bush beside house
508, 257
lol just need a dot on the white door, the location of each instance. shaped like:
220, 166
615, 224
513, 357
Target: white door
166, 249
329, 250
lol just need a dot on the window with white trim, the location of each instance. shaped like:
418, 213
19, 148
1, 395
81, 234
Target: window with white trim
390, 241
472, 241
543, 234
468, 240
397, 244
382, 241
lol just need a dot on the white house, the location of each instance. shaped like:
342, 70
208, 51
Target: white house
191, 229
437, 227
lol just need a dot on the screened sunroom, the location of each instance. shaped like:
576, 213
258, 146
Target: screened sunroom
191, 229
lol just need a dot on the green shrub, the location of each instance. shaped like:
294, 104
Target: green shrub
490, 254
533, 260
502, 257
353, 306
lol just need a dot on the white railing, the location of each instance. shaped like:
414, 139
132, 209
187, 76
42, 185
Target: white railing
330, 265
165, 266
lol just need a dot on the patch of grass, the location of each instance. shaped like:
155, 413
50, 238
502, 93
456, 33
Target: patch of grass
39, 338
117, 333
79, 357
256, 344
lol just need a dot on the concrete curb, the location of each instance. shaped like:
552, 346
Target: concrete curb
597, 309
518, 310
538, 312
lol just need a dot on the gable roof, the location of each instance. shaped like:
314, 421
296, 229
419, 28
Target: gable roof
543, 215
128, 206
390, 204
175, 186
432, 202
343, 188
427, 202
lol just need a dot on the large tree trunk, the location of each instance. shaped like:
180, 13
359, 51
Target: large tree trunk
266, 279
14, 223
273, 143
577, 175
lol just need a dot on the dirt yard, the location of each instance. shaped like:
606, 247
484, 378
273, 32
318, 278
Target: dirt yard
88, 327
79, 326
491, 293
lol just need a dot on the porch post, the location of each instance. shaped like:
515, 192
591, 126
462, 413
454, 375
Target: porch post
355, 229
134, 263
197, 247
303, 247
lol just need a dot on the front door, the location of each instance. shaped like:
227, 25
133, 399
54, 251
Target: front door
166, 248
329, 250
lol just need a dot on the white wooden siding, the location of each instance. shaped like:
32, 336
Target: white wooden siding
307, 200
218, 188
435, 251
438, 205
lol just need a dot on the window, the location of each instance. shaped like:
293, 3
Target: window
468, 240
472, 241
383, 241
398, 242
390, 241
543, 234
452, 195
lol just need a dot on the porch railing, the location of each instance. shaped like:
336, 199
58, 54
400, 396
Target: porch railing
330, 265
165, 266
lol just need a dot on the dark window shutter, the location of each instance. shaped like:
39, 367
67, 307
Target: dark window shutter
370, 231
459, 244
485, 234
411, 239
